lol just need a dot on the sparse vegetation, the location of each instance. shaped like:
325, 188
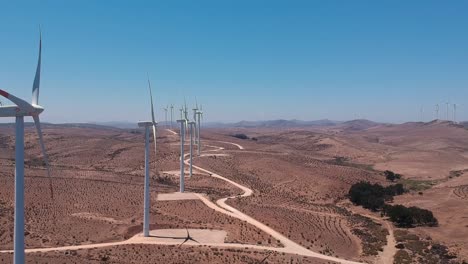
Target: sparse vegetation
344, 161
240, 136
373, 196
414, 249
416, 185
456, 173
409, 216
372, 234
391, 176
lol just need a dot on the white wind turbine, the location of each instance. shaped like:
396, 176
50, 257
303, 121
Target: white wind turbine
19, 111
455, 112
447, 103
172, 113
195, 119
186, 115
199, 116
191, 125
165, 116
182, 139
421, 114
437, 111
146, 196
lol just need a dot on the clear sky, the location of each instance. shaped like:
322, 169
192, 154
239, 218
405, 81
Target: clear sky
245, 60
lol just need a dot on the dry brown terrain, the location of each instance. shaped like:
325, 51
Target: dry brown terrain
299, 179
137, 254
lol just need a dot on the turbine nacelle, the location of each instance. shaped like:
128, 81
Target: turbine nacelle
146, 123
22, 107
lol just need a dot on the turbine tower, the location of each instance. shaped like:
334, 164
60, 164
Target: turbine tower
146, 196
437, 111
182, 137
199, 116
195, 120
172, 113
455, 113
165, 116
19, 111
191, 125
186, 115
447, 103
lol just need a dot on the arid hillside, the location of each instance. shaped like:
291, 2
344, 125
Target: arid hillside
299, 180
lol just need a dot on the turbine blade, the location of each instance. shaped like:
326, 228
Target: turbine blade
37, 122
154, 137
37, 78
23, 105
151, 97
183, 242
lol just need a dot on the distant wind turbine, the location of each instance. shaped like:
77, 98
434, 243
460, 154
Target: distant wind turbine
455, 112
195, 120
447, 103
192, 130
182, 139
437, 111
186, 115
172, 113
19, 111
199, 116
165, 116
146, 196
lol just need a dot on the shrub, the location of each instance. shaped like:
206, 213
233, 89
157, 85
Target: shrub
410, 216
241, 136
373, 196
391, 176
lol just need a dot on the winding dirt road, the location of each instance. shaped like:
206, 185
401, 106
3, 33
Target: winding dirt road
221, 206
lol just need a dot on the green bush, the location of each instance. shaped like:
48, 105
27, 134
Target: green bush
241, 136
373, 196
391, 176
413, 216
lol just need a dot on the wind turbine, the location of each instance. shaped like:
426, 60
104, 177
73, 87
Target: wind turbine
437, 111
186, 115
455, 112
447, 103
172, 113
199, 116
165, 116
195, 120
181, 110
191, 124
422, 113
182, 137
146, 196
19, 111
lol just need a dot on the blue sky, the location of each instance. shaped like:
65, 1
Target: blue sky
245, 60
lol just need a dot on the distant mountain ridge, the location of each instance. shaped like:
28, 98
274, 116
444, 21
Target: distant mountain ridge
351, 125
282, 123
359, 124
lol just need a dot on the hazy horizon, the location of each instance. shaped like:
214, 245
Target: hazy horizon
243, 60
